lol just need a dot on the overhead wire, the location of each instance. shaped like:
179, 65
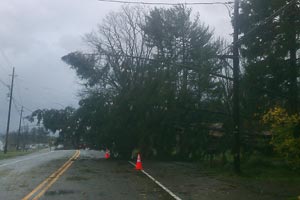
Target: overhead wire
183, 65
15, 105
4, 69
25, 107
8, 86
45, 88
261, 23
167, 4
227, 4
267, 20
18, 90
6, 58
42, 95
3, 83
28, 109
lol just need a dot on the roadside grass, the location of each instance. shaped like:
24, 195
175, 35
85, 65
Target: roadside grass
255, 167
271, 169
12, 154
258, 173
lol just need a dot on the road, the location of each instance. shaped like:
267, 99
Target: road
57, 175
85, 174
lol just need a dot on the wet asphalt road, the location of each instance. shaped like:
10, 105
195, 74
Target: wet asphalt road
89, 177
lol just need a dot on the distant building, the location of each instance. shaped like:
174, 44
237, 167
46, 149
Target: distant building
216, 130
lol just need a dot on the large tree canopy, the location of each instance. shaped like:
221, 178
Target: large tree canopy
156, 79
148, 75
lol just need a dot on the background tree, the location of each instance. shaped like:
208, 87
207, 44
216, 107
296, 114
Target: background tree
270, 41
62, 121
270, 54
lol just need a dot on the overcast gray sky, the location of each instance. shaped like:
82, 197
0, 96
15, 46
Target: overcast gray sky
35, 34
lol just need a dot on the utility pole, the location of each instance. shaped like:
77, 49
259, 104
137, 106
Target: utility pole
236, 77
19, 131
9, 109
293, 88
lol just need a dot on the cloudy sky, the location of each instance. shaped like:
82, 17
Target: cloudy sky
35, 34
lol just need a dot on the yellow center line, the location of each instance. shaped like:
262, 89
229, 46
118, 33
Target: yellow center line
51, 176
55, 179
48, 182
48, 179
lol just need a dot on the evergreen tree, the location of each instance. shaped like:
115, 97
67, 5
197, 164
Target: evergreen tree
270, 53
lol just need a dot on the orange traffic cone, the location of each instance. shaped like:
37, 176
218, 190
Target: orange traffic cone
107, 154
138, 165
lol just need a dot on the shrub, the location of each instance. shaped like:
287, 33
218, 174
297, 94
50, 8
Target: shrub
285, 134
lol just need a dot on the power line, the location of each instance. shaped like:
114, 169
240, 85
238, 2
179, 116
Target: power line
18, 91
42, 94
29, 109
261, 23
15, 105
44, 88
266, 20
6, 58
5, 69
26, 108
189, 66
3, 83
167, 4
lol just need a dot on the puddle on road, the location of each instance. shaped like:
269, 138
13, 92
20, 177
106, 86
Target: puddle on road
59, 192
77, 178
5, 172
227, 187
87, 170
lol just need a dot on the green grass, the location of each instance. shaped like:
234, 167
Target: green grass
12, 154
270, 170
254, 167
258, 172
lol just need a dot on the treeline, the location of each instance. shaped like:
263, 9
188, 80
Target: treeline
153, 80
28, 136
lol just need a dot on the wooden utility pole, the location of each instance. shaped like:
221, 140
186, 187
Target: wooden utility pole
19, 131
292, 43
236, 77
9, 109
